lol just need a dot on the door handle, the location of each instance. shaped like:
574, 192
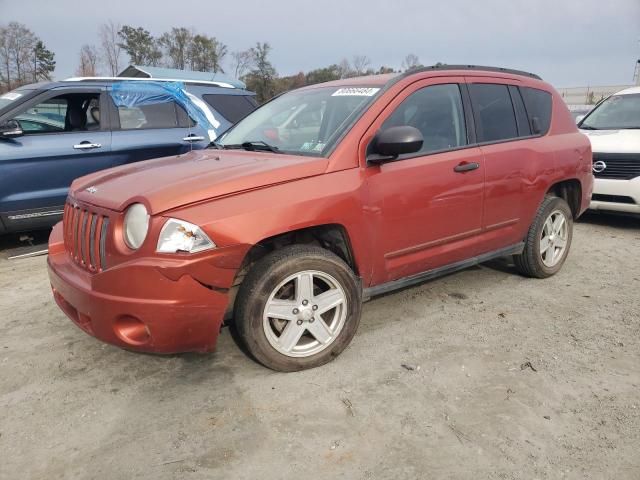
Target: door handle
193, 138
466, 167
86, 146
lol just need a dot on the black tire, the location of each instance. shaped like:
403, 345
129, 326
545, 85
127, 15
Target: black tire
529, 262
264, 276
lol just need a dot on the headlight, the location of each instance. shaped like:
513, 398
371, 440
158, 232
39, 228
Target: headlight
136, 225
180, 236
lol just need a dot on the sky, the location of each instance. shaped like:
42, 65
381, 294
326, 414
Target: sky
566, 42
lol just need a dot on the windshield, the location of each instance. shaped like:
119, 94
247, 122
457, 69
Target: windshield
301, 122
7, 99
616, 112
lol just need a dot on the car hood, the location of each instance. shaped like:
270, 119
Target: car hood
167, 183
614, 141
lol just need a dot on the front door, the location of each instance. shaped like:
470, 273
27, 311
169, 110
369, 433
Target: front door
63, 139
431, 201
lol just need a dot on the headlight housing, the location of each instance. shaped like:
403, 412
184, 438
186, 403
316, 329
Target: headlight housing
136, 225
180, 236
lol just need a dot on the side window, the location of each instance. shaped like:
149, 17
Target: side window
437, 112
46, 117
493, 111
144, 117
538, 105
232, 107
72, 112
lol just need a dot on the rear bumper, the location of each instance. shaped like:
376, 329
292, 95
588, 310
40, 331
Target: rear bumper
137, 305
608, 194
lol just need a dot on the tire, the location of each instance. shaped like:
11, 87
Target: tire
279, 281
535, 261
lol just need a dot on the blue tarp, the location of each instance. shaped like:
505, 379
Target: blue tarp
137, 93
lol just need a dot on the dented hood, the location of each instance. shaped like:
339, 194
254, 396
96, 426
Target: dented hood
167, 183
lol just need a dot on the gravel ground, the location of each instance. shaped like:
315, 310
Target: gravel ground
504, 377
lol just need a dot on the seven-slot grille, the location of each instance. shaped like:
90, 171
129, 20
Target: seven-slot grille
619, 166
85, 236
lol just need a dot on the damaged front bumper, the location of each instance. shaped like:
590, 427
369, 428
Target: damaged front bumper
159, 305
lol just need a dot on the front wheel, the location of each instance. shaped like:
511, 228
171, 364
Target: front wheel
548, 240
298, 308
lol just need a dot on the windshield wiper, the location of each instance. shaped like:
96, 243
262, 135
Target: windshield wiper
215, 145
253, 145
587, 127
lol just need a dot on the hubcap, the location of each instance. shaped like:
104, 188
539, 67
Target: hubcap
553, 241
305, 313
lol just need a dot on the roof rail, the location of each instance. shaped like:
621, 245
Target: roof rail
138, 79
474, 67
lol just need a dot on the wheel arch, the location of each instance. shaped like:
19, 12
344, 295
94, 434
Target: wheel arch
570, 191
334, 237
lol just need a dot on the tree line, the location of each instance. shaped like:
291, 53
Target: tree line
25, 59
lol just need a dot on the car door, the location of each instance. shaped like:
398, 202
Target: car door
513, 161
430, 202
61, 141
149, 129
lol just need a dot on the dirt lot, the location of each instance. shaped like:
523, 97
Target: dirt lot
512, 378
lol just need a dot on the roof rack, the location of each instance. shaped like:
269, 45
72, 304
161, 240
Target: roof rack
138, 79
475, 67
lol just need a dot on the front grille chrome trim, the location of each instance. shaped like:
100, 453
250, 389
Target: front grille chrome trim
85, 236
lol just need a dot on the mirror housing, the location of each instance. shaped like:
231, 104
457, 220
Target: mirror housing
11, 129
389, 144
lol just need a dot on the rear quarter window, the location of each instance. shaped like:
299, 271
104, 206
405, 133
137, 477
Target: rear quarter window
232, 107
538, 105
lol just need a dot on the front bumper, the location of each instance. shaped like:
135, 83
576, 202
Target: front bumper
142, 305
608, 193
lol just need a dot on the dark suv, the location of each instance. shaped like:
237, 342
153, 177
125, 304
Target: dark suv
52, 133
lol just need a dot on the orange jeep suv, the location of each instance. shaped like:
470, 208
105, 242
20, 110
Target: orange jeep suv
322, 198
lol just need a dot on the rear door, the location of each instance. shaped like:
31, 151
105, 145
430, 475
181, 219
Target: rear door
153, 130
514, 160
64, 138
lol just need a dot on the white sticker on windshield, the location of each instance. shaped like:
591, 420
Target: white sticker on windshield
355, 92
10, 96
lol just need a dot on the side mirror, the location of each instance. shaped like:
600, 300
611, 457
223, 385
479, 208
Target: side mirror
579, 118
11, 129
389, 144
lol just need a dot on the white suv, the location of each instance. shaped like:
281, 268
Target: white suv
613, 127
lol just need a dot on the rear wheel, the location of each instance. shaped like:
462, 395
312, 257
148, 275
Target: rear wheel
548, 240
298, 308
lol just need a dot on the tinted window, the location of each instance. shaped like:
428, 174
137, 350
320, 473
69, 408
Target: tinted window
538, 104
157, 115
493, 110
437, 112
232, 107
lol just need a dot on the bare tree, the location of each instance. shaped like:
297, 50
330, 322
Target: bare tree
88, 61
411, 62
23, 56
241, 63
110, 50
344, 69
361, 64
221, 52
